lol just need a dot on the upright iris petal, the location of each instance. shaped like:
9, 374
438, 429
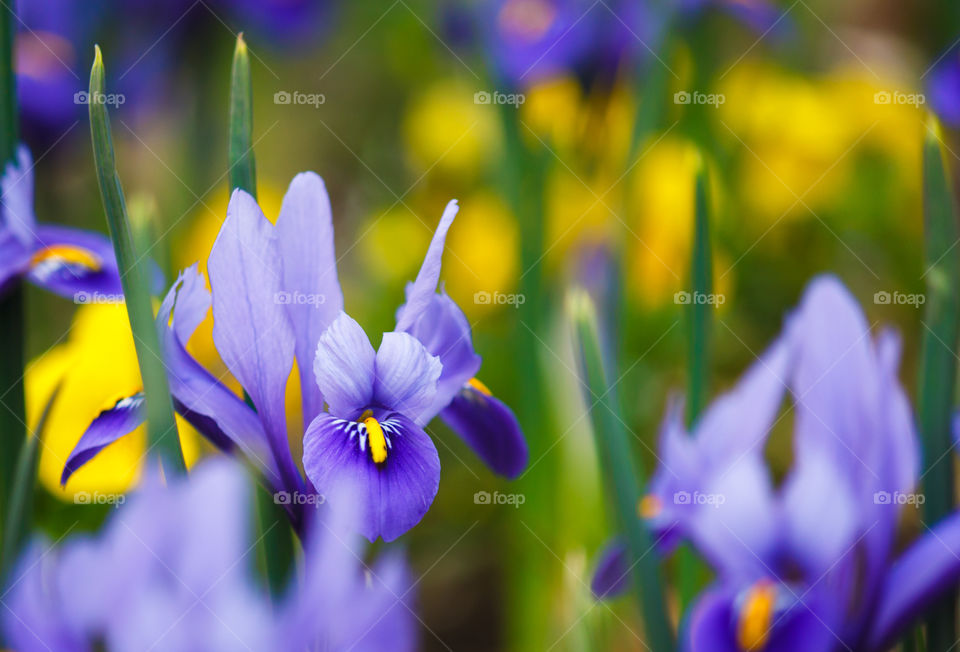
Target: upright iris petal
468, 406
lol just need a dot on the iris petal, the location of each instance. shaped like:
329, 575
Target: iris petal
16, 187
490, 428
925, 571
251, 329
423, 289
344, 367
392, 496
612, 575
445, 332
70, 261
406, 375
109, 426
312, 290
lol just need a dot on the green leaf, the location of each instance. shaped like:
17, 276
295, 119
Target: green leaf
699, 321
13, 426
243, 169
16, 523
622, 476
938, 362
700, 311
134, 269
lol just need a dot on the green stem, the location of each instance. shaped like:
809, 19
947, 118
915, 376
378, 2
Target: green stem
699, 319
12, 357
622, 475
938, 364
161, 424
523, 182
20, 508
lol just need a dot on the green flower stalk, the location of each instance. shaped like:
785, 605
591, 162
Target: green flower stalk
161, 425
623, 478
938, 367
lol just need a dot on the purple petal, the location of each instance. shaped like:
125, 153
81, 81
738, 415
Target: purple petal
740, 420
75, 264
612, 577
903, 455
821, 516
30, 617
344, 367
204, 401
16, 187
836, 381
445, 332
943, 87
930, 567
799, 622
405, 374
392, 496
251, 329
334, 585
490, 428
733, 520
421, 292
192, 301
311, 288
14, 259
109, 426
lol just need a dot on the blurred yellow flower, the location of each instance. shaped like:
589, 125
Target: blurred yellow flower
94, 368
662, 203
393, 244
445, 128
553, 110
801, 133
577, 210
482, 252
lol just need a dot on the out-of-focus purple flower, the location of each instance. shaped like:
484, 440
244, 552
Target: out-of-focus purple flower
276, 298
943, 87
810, 565
70, 262
529, 40
171, 572
55, 39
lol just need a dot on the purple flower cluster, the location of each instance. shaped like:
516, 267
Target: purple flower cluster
814, 563
172, 571
378, 402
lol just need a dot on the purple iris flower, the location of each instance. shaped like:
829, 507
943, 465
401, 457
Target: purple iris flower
276, 299
533, 39
70, 262
171, 571
810, 564
54, 39
943, 87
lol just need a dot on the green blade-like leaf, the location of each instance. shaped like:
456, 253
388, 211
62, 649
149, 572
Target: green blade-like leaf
938, 366
623, 480
699, 321
700, 311
243, 168
161, 425
13, 427
16, 523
